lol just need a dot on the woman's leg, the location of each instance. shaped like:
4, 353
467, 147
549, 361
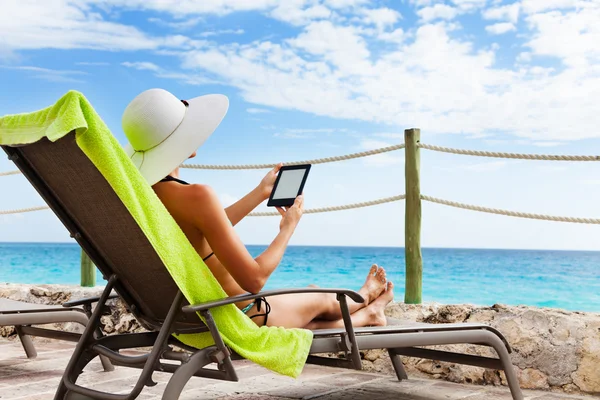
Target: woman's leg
372, 315
373, 287
325, 305
294, 310
301, 311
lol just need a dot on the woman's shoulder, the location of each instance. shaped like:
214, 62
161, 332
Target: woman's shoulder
183, 194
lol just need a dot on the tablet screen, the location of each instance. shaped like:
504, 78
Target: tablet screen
289, 184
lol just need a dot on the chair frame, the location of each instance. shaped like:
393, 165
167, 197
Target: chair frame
398, 340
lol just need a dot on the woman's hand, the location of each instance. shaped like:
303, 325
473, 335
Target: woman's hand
291, 215
266, 185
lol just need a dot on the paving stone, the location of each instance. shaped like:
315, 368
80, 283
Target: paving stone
311, 371
347, 379
251, 397
556, 396
39, 396
198, 395
256, 383
301, 390
251, 371
359, 393
492, 396
447, 390
23, 377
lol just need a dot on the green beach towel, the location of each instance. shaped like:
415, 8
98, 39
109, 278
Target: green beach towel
281, 350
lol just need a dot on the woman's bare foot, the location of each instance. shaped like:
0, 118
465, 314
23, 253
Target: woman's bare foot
374, 285
377, 307
372, 315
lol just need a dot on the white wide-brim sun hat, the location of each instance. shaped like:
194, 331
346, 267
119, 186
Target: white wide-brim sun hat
164, 131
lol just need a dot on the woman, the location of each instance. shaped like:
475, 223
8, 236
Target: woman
163, 132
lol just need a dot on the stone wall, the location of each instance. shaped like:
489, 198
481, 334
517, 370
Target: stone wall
552, 349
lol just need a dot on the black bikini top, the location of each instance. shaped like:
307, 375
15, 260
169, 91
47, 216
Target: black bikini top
169, 178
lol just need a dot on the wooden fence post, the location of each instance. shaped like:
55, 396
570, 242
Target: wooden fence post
88, 271
412, 218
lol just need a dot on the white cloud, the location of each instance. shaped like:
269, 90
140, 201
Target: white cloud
438, 11
345, 3
457, 88
292, 11
382, 18
58, 24
257, 110
180, 8
438, 78
535, 6
52, 75
395, 36
344, 48
509, 12
500, 28
524, 57
178, 24
141, 65
469, 5
571, 36
223, 32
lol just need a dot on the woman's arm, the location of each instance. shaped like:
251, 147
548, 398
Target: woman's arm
251, 274
237, 211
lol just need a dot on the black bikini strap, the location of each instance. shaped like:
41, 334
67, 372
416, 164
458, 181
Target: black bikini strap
267, 309
169, 178
208, 256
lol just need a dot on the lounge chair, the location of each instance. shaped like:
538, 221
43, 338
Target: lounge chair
23, 315
71, 184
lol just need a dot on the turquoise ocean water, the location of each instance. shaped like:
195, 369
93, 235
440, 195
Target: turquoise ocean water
562, 279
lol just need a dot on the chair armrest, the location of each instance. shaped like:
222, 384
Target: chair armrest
267, 293
87, 300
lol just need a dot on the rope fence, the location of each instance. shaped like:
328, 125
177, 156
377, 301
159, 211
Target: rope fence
10, 173
23, 210
315, 161
336, 208
517, 156
393, 198
479, 153
517, 214
497, 211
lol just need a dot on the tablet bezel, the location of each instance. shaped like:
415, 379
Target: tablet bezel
289, 201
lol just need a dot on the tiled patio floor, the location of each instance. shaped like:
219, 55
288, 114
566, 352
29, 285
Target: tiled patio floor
37, 379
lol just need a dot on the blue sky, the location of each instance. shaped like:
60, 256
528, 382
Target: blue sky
314, 78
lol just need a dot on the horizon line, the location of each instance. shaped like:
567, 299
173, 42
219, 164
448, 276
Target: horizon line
367, 246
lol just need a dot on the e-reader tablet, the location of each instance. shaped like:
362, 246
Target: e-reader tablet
288, 185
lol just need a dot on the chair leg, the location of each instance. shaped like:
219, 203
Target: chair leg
106, 364
511, 376
397, 363
62, 393
26, 343
185, 372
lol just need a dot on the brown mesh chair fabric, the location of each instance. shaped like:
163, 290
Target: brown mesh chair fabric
117, 244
